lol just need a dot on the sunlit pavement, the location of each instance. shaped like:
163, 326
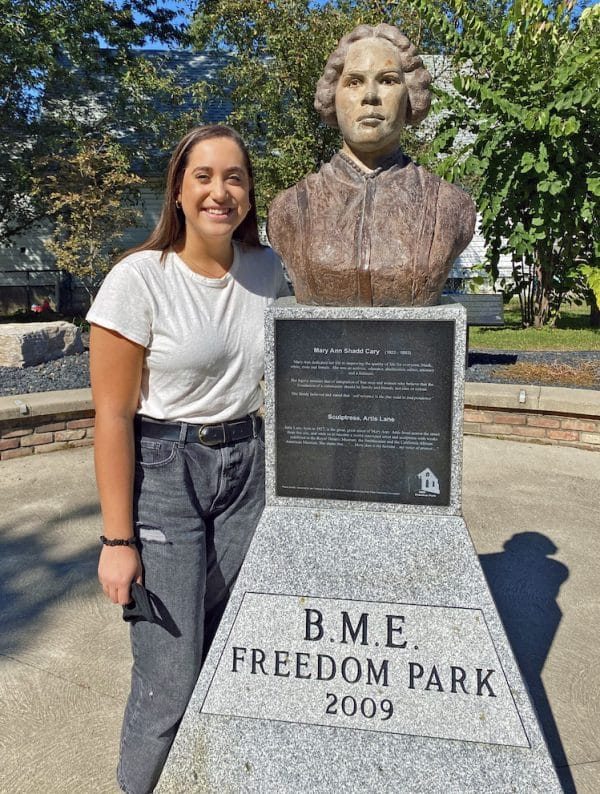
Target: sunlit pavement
64, 658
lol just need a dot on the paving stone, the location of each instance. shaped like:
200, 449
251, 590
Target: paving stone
510, 490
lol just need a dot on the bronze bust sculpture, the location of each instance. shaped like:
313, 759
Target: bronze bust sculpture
371, 227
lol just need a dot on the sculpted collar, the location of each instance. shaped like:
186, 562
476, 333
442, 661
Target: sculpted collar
342, 164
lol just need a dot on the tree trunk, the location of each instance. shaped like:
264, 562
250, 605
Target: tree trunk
594, 311
524, 281
544, 268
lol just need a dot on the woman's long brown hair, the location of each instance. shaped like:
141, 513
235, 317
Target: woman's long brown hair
171, 223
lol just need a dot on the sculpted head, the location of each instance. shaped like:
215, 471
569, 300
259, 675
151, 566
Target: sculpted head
373, 84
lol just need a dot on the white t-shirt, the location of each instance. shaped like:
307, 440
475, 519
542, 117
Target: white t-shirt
203, 336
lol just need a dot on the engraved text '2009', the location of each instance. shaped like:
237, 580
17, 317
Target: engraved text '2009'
397, 668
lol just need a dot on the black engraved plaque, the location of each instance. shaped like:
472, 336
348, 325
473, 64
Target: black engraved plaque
364, 409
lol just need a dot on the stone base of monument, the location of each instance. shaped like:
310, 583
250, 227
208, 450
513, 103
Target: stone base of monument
361, 650
360, 653
27, 344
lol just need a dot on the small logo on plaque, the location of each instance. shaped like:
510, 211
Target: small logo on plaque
429, 485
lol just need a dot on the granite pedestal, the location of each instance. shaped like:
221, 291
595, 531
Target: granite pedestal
361, 650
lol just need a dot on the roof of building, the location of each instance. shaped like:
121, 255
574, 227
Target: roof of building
90, 97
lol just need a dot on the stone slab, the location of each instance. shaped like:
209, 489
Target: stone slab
390, 658
417, 353
583, 403
417, 580
361, 649
65, 402
27, 344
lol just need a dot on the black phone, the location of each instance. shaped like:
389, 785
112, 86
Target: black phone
139, 608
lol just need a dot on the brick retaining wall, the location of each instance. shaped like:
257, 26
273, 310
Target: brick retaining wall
540, 428
539, 414
37, 423
17, 442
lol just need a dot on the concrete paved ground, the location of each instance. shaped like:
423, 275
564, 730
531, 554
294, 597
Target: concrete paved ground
64, 658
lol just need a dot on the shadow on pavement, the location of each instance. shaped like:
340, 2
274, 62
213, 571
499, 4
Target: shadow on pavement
35, 574
525, 583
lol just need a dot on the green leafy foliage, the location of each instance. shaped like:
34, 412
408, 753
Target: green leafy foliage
90, 197
279, 50
526, 95
68, 69
592, 280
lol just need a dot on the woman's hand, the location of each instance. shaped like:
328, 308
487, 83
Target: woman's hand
118, 567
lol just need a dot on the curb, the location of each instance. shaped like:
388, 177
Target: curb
46, 421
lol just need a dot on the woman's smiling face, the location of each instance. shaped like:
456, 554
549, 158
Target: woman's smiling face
215, 189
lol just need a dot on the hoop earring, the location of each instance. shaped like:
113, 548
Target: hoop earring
178, 204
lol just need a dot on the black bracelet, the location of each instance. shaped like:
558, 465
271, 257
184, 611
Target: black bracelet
117, 541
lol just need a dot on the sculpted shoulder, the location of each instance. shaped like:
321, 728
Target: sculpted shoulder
452, 196
457, 208
282, 215
455, 216
448, 193
285, 206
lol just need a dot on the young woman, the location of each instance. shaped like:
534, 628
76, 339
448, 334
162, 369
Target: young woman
176, 360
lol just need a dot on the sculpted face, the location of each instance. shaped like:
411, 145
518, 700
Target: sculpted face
371, 97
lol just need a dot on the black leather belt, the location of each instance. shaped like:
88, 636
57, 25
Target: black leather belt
209, 435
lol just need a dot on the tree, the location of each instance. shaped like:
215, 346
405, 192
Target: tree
522, 128
55, 57
279, 50
89, 197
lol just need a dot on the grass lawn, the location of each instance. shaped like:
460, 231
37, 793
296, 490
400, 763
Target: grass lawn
572, 332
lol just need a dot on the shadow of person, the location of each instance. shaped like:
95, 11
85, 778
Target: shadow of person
525, 584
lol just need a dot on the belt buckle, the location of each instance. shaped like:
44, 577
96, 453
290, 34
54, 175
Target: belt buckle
207, 435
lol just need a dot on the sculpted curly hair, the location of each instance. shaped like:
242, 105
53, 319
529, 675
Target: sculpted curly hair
416, 77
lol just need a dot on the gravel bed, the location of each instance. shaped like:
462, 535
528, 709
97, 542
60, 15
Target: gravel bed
69, 372
485, 366
72, 372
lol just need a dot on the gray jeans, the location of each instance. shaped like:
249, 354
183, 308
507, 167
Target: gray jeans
195, 511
